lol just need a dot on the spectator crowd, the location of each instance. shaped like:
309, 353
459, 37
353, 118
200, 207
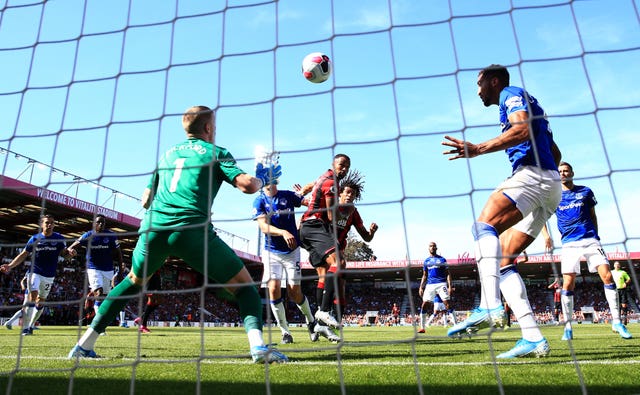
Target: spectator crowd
188, 303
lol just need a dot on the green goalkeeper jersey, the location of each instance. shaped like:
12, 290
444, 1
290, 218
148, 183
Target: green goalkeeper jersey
186, 182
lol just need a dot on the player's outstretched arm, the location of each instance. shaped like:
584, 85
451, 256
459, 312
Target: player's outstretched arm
518, 133
6, 268
264, 175
147, 197
367, 234
247, 183
72, 248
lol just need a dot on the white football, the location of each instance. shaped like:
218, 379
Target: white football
316, 67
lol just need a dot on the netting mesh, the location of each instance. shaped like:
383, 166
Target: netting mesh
94, 91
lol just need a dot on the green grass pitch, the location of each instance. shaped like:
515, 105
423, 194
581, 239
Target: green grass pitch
371, 360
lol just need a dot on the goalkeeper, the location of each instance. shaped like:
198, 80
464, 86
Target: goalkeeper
177, 223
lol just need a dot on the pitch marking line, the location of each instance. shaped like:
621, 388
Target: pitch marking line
235, 360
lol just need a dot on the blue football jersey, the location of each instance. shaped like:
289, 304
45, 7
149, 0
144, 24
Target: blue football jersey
279, 210
45, 250
574, 214
437, 269
99, 249
513, 99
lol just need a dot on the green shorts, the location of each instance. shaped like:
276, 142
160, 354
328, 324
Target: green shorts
200, 248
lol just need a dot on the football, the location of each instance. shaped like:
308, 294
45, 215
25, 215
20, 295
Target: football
316, 67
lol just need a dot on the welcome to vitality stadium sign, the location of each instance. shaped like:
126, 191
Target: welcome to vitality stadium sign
49, 196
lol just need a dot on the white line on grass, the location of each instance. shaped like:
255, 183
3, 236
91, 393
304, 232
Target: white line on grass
239, 361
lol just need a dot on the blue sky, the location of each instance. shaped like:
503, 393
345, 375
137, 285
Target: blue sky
96, 88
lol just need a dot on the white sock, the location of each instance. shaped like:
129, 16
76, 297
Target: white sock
36, 316
423, 320
305, 309
88, 340
567, 308
122, 317
96, 306
28, 315
280, 315
488, 250
15, 317
431, 317
255, 338
515, 294
611, 294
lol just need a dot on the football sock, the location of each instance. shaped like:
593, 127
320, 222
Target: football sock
567, 306
611, 294
250, 306
305, 309
487, 250
15, 317
88, 339
148, 309
430, 320
28, 314
515, 294
319, 293
36, 315
452, 316
255, 337
329, 289
279, 313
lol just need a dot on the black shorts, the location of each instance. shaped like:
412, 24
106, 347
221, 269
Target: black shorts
317, 238
155, 283
623, 296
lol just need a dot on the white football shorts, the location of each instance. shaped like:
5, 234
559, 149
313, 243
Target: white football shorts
438, 307
282, 267
573, 251
100, 279
41, 284
536, 193
431, 290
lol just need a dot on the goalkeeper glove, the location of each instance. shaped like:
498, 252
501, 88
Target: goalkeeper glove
268, 175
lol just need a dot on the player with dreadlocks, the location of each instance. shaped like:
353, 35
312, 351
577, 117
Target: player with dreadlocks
351, 188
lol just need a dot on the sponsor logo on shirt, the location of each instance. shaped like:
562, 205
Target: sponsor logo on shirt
571, 205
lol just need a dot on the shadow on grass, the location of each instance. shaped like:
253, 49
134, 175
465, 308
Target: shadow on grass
27, 384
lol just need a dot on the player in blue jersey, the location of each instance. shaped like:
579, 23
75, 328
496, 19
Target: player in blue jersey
273, 210
45, 247
516, 211
177, 223
436, 276
578, 225
102, 245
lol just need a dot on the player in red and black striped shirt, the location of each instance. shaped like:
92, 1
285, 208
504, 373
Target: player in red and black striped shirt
317, 234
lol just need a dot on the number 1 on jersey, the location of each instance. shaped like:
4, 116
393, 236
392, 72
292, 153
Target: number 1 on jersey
176, 174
